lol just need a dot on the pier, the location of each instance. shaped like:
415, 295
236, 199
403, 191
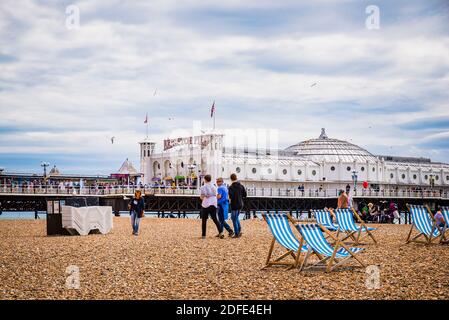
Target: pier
186, 201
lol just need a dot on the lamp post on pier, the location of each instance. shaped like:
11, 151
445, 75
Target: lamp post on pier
354, 179
45, 165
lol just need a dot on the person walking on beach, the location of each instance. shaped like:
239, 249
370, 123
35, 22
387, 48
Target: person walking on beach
136, 208
343, 200
208, 196
223, 207
237, 193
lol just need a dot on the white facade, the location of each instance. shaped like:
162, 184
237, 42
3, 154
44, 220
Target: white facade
316, 163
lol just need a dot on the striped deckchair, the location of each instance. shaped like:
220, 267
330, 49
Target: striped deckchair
331, 257
346, 225
324, 218
445, 230
423, 221
279, 225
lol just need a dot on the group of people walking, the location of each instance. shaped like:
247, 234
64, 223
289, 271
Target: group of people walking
216, 200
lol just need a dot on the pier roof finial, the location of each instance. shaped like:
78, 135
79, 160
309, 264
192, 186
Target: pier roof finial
323, 134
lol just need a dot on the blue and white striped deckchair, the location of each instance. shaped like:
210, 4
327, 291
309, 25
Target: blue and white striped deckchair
331, 257
445, 213
346, 224
279, 225
324, 218
423, 221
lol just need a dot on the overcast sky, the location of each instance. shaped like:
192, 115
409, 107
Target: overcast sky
65, 92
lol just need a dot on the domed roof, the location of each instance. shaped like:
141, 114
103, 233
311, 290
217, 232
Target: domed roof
54, 171
331, 150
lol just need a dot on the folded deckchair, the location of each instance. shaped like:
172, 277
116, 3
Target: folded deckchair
445, 230
331, 257
346, 225
279, 225
423, 221
324, 218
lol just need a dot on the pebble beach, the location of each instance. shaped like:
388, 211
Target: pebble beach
169, 260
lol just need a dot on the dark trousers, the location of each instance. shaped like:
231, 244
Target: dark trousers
205, 213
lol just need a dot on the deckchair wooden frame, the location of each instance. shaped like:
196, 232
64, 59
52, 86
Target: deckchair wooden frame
296, 255
355, 235
328, 262
428, 239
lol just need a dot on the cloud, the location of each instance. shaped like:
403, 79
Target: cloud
66, 92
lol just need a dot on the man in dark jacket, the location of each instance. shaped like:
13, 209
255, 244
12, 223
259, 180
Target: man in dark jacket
237, 193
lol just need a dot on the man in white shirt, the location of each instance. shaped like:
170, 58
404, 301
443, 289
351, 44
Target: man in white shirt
209, 205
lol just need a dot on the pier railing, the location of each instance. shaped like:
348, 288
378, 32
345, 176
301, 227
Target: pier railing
252, 192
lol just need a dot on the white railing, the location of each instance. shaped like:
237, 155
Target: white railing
191, 191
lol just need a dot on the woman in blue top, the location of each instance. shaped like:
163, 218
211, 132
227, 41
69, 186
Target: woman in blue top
223, 206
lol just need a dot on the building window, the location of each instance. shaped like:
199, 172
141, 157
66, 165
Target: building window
426, 177
437, 178
332, 168
391, 176
415, 177
222, 169
374, 169
254, 170
270, 171
314, 173
182, 164
300, 173
447, 178
284, 171
238, 169
403, 176
362, 168
348, 168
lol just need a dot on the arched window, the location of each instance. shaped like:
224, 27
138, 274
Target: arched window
362, 168
284, 171
403, 176
270, 171
348, 168
415, 177
391, 176
254, 170
314, 173
332, 168
238, 169
426, 177
300, 173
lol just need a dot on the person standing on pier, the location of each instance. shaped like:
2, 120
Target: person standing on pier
137, 210
223, 207
237, 193
208, 196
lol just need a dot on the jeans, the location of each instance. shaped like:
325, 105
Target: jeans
135, 221
205, 213
235, 221
221, 219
